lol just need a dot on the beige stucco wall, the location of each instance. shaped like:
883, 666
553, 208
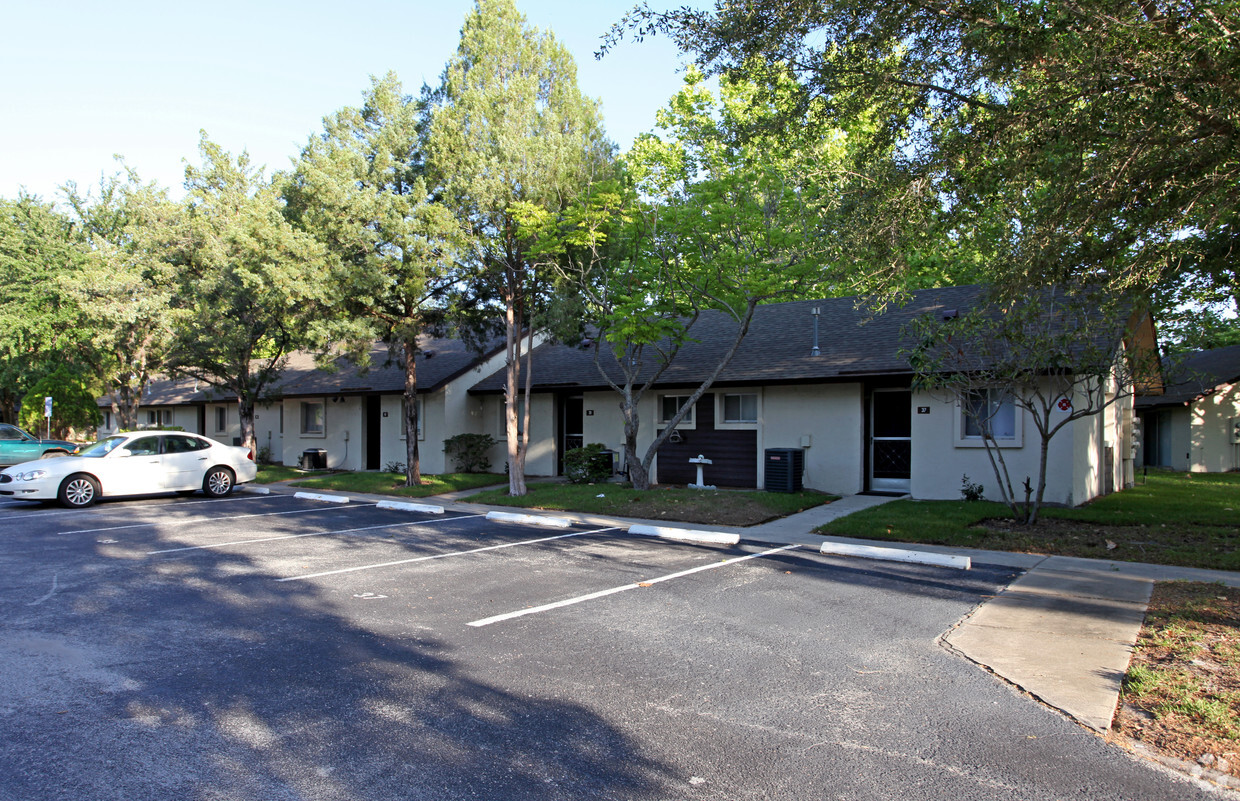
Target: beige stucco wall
941, 458
267, 429
343, 432
1210, 445
540, 460
829, 419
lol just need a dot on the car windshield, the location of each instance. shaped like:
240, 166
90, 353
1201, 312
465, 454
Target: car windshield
102, 448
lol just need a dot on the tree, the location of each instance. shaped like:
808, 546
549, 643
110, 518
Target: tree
74, 407
41, 252
125, 286
1055, 356
726, 223
1070, 139
359, 188
247, 282
507, 124
1199, 304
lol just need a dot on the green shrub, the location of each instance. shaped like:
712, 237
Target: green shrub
971, 491
470, 451
588, 465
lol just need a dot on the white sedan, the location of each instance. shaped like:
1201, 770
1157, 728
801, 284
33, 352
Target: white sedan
137, 463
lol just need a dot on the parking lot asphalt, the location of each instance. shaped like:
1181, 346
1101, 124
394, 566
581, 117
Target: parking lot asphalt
274, 647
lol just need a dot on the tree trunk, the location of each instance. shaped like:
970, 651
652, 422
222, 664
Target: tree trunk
639, 476
413, 465
516, 454
245, 413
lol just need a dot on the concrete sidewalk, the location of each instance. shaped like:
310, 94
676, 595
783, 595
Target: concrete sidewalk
1063, 631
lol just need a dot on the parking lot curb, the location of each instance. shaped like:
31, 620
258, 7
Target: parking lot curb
405, 506
256, 490
535, 520
897, 555
315, 496
685, 534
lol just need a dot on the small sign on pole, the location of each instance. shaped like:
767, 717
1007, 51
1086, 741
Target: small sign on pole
47, 414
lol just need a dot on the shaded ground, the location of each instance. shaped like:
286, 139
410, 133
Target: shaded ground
673, 504
1189, 546
1182, 692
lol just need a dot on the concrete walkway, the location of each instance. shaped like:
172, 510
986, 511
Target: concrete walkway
1063, 631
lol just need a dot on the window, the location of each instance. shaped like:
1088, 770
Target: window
107, 421
670, 404
988, 411
503, 417
183, 444
740, 408
159, 417
313, 418
146, 446
221, 418
421, 414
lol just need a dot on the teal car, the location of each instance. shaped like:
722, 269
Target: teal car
16, 446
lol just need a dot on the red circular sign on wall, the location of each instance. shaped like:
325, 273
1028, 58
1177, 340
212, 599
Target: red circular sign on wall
1065, 404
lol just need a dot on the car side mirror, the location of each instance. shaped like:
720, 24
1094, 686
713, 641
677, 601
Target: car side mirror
123, 452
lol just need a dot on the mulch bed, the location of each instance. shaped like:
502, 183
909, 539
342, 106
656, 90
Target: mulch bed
1191, 633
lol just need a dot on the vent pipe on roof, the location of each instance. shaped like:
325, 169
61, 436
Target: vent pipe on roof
814, 351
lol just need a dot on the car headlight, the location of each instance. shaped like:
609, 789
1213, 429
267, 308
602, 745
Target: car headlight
29, 475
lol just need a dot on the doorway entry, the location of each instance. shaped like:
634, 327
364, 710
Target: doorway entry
373, 430
570, 433
891, 440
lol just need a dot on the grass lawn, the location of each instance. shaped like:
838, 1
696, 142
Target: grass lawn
268, 473
1182, 690
718, 507
1188, 519
383, 483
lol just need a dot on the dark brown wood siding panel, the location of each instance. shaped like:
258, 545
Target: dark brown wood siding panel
734, 453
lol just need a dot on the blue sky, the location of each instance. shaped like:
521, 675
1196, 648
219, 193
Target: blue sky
86, 80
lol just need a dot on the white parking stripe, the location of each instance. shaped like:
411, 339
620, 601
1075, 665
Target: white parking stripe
445, 555
82, 511
212, 520
486, 621
311, 534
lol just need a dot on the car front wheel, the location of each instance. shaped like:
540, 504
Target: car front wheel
218, 482
78, 491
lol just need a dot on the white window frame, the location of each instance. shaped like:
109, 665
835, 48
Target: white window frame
400, 424
689, 423
221, 413
964, 440
301, 413
157, 417
721, 404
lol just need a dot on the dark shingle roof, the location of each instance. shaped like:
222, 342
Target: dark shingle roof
439, 361
1191, 376
852, 342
